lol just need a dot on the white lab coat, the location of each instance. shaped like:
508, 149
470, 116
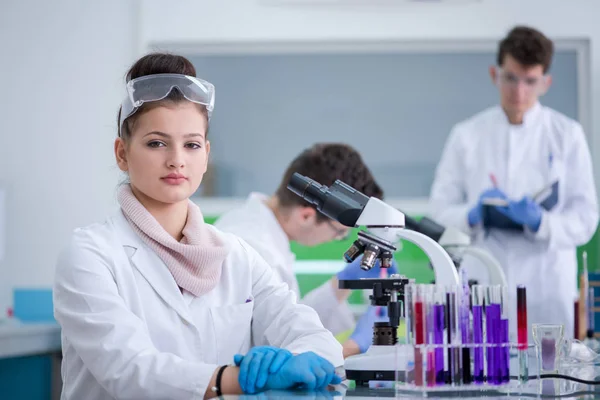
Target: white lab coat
129, 333
256, 224
548, 146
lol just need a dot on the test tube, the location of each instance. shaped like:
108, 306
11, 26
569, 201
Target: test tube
408, 312
505, 349
522, 333
489, 335
419, 325
590, 313
429, 296
465, 328
478, 300
494, 334
438, 336
454, 372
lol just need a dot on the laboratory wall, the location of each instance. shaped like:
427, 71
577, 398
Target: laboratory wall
270, 21
62, 71
396, 106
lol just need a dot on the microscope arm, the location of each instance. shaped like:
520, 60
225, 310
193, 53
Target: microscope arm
495, 271
443, 267
458, 243
453, 238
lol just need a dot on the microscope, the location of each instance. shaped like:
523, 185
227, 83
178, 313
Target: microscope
458, 244
385, 227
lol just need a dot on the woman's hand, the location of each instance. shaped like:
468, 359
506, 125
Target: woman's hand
306, 371
258, 364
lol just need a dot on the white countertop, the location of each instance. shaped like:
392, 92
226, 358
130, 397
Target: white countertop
19, 339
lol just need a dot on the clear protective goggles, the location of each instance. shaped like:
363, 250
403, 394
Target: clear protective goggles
156, 87
535, 85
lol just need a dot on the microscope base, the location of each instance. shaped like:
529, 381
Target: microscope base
378, 363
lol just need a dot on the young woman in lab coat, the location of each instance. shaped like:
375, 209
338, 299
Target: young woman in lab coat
536, 159
154, 303
271, 223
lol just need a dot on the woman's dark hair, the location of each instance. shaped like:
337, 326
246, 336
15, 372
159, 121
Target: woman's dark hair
152, 64
528, 46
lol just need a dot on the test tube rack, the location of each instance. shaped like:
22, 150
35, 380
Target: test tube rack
417, 373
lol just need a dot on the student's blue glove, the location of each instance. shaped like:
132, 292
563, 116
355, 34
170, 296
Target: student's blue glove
258, 364
306, 371
476, 213
353, 270
363, 332
524, 212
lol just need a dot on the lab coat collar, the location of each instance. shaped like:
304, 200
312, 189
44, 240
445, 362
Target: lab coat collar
146, 262
281, 242
529, 118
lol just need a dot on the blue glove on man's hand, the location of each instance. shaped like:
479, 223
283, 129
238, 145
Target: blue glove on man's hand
306, 371
363, 332
525, 212
353, 270
475, 215
258, 364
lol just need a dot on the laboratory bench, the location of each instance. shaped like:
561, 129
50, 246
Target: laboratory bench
24, 339
30, 354
545, 389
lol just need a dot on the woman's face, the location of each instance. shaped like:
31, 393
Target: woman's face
167, 152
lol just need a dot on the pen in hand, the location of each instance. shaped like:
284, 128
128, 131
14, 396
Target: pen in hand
494, 180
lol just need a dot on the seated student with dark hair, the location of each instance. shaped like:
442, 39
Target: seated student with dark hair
270, 223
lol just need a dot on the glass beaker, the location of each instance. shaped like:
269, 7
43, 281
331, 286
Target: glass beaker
548, 340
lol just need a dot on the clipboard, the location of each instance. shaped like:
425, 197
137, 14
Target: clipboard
547, 198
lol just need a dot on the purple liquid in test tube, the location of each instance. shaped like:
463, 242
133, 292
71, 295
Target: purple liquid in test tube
477, 301
496, 337
504, 337
438, 338
478, 372
465, 327
505, 352
490, 327
454, 373
430, 299
498, 351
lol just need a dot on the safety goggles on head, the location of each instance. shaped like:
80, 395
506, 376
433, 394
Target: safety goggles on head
535, 85
157, 87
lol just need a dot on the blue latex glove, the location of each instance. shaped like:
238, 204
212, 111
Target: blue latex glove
353, 270
475, 214
282, 394
306, 371
363, 332
525, 212
257, 364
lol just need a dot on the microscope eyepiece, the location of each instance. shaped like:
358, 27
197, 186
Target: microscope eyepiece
308, 189
339, 202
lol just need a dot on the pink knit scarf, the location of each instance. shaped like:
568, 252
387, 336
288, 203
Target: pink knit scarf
196, 261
